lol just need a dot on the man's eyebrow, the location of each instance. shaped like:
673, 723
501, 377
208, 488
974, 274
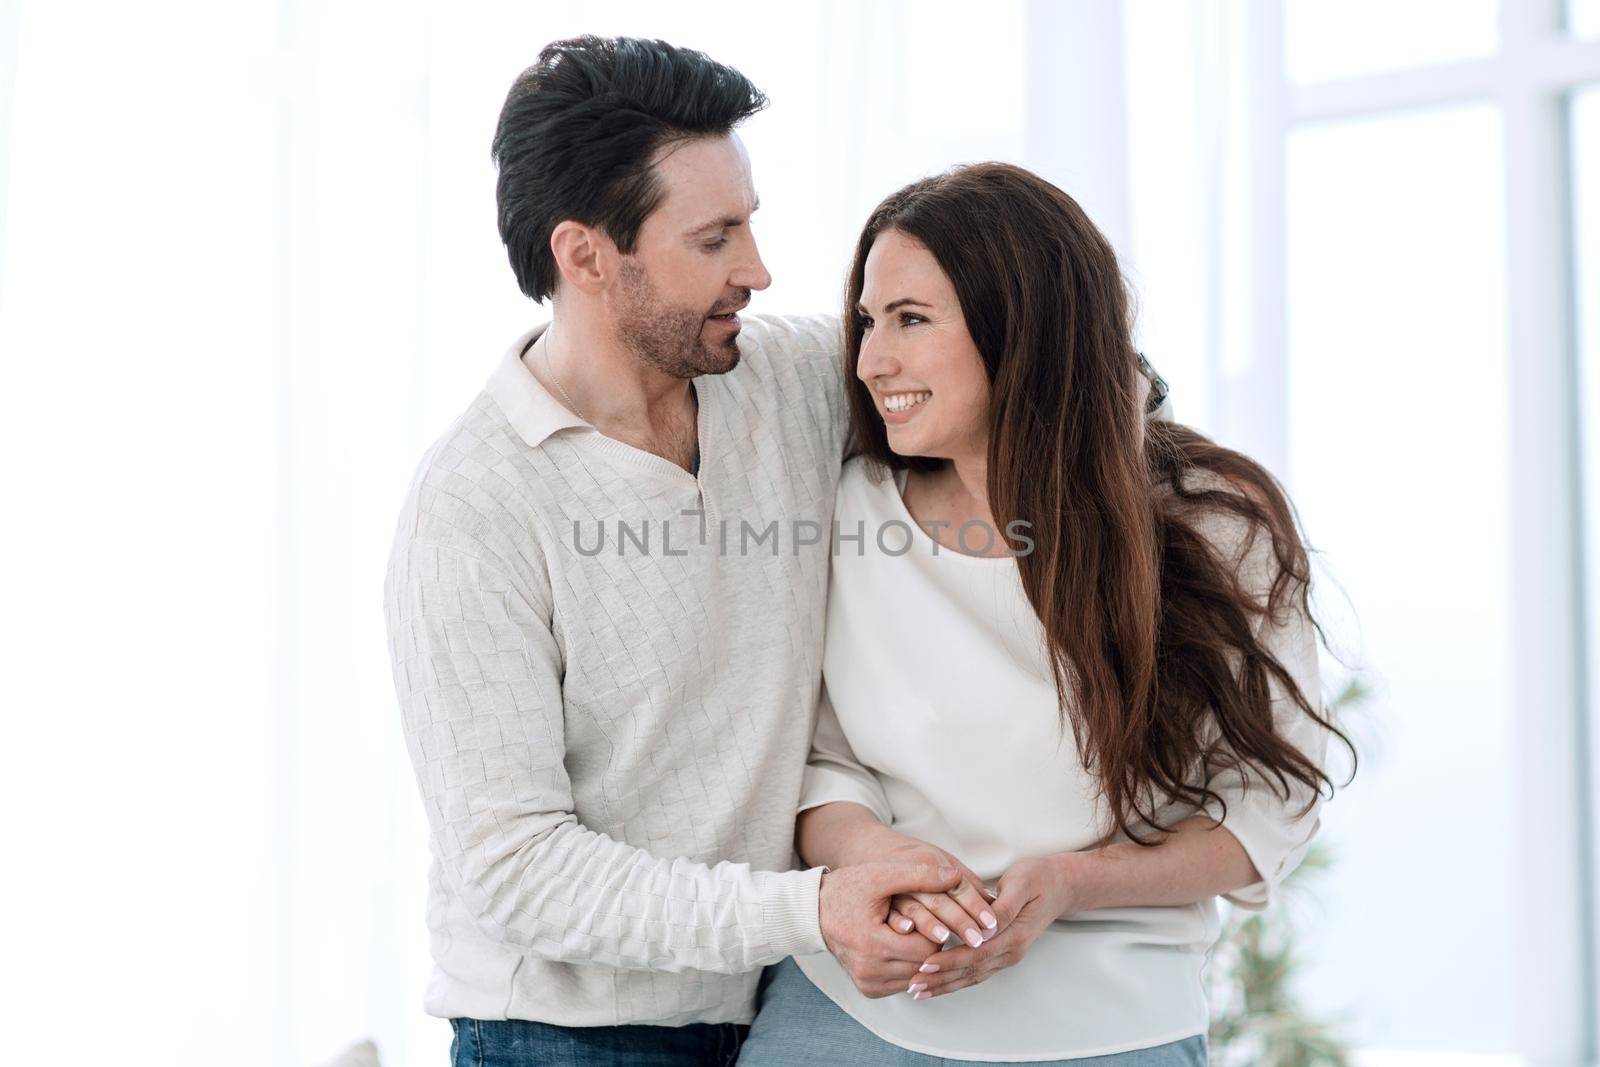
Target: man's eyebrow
726, 222
902, 302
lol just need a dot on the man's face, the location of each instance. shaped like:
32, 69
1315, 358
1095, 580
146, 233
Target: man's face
678, 294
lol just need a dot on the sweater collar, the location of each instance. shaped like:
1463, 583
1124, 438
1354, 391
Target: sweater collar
529, 407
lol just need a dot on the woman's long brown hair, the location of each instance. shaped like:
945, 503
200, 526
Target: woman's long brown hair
1149, 627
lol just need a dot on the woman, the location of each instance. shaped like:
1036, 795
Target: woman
1066, 647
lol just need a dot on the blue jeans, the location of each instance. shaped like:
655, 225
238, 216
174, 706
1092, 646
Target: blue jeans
798, 1025
520, 1043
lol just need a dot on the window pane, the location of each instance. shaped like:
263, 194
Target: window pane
1325, 39
1398, 461
1583, 17
1585, 133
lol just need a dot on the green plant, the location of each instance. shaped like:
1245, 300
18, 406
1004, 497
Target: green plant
1256, 1020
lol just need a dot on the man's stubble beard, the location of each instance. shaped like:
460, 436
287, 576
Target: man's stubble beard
667, 337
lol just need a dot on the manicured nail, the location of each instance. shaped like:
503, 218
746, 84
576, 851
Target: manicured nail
917, 987
946, 873
974, 938
928, 968
905, 926
921, 995
941, 933
989, 920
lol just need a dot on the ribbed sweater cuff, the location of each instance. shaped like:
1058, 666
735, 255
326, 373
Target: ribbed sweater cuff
792, 914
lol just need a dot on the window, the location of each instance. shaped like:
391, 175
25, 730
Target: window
1583, 17
1398, 446
1328, 39
1352, 222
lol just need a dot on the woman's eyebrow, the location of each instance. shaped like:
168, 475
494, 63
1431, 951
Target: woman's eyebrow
902, 302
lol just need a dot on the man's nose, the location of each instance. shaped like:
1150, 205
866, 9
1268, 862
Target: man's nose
752, 273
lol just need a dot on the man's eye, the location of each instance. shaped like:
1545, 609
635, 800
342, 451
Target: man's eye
712, 246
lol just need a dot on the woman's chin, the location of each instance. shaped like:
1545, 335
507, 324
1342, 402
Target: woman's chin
904, 442
908, 433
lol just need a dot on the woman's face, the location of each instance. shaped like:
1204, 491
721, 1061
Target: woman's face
917, 359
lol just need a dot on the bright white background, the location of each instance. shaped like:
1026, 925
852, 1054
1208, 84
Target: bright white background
248, 270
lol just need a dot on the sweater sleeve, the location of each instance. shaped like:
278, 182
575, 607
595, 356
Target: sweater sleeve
1271, 830
478, 673
816, 345
833, 772
827, 334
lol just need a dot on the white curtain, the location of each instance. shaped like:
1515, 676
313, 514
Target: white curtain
1188, 135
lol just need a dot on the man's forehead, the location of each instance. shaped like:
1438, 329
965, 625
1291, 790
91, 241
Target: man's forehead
707, 179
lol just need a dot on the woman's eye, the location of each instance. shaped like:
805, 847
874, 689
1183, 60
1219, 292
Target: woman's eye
908, 319
866, 324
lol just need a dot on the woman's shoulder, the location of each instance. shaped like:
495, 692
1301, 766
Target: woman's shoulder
1204, 503
1242, 542
869, 513
863, 480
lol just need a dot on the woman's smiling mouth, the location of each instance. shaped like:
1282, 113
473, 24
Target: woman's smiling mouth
898, 402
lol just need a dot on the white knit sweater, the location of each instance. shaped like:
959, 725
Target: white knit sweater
610, 743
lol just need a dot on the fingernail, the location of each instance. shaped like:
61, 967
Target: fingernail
905, 925
941, 933
928, 968
917, 987
921, 995
989, 920
974, 938
947, 873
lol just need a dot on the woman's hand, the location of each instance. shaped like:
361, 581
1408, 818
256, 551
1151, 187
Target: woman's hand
1036, 892
843, 834
966, 910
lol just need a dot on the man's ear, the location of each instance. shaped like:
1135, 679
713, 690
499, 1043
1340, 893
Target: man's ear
586, 258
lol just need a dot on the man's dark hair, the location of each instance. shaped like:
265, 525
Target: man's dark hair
579, 132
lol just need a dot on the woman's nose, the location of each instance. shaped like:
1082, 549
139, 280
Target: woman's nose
876, 359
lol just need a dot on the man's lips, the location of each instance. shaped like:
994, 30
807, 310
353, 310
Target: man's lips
731, 311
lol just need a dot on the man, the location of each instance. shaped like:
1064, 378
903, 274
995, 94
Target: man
605, 597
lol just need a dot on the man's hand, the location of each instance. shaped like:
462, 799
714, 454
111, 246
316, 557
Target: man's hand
966, 911
1037, 892
853, 905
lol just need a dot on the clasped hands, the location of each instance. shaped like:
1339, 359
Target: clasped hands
887, 920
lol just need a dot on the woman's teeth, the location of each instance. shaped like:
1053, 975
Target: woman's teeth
904, 401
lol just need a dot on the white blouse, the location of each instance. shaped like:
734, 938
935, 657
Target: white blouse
939, 714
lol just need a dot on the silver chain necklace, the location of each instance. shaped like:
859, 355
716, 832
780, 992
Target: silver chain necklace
563, 389
564, 395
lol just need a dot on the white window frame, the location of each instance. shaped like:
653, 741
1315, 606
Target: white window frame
1530, 78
